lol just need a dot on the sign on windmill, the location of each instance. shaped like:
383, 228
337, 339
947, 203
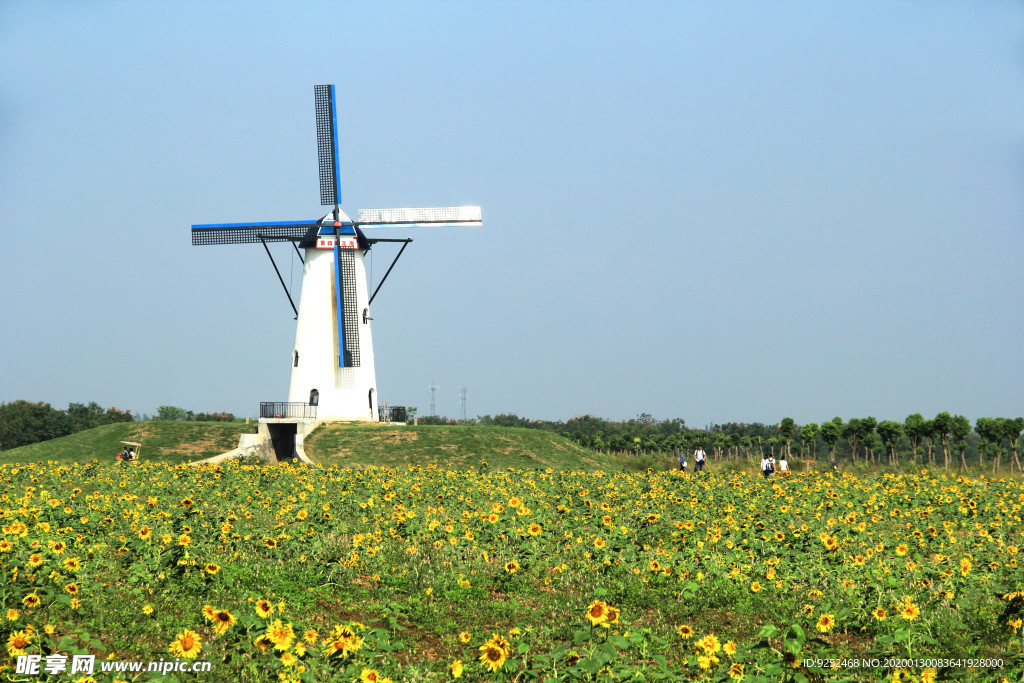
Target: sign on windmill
332, 368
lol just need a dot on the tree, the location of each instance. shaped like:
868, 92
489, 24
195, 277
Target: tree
857, 431
24, 422
852, 434
735, 439
960, 428
718, 442
943, 429
85, 416
890, 432
1012, 431
787, 429
867, 435
871, 444
807, 435
913, 427
928, 434
171, 413
988, 430
831, 432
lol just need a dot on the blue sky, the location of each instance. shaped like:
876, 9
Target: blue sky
720, 211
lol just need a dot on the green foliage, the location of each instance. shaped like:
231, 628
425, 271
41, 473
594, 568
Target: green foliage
831, 432
176, 414
807, 435
913, 427
890, 432
23, 422
173, 413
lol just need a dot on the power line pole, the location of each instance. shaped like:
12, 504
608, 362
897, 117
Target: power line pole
433, 396
462, 396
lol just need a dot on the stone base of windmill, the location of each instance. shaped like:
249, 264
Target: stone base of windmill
276, 440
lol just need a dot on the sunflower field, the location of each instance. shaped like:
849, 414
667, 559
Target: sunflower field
296, 573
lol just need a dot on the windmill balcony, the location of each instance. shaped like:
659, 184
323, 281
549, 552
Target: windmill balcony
287, 410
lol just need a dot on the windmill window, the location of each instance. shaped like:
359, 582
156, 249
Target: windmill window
314, 397
295, 362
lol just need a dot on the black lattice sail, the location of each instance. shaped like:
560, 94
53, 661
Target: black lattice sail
235, 233
327, 144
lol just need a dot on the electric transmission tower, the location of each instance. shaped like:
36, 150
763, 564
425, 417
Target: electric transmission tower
433, 396
462, 397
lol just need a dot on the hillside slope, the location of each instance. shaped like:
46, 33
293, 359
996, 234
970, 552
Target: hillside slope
172, 442
449, 446
345, 445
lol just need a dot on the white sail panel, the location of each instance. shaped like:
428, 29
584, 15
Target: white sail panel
437, 214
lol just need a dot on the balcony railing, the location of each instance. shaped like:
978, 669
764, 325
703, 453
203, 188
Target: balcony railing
386, 413
302, 411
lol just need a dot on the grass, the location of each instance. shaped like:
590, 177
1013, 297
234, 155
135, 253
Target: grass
354, 445
449, 446
171, 442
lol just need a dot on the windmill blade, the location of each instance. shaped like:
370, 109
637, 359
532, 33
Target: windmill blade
250, 233
327, 144
438, 216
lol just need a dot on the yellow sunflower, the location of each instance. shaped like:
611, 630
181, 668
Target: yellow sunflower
187, 644
17, 642
281, 635
264, 608
910, 611
222, 620
492, 657
597, 613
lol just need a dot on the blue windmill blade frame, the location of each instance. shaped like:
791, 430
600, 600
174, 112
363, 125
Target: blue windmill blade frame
252, 233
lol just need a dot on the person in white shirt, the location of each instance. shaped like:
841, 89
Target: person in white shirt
698, 456
784, 466
766, 467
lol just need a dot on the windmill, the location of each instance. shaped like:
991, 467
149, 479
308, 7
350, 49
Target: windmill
332, 369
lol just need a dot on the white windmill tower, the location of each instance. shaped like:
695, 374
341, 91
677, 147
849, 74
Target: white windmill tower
332, 369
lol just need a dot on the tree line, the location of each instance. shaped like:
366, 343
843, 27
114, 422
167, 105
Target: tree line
25, 422
951, 441
947, 440
176, 414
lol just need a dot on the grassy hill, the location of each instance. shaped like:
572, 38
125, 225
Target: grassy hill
172, 442
449, 446
346, 445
